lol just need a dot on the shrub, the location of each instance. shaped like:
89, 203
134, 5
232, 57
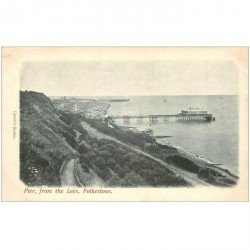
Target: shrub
83, 147
183, 163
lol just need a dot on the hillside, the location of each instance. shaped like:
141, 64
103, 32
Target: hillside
45, 141
99, 153
49, 138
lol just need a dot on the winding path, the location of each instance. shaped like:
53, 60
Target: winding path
190, 177
67, 173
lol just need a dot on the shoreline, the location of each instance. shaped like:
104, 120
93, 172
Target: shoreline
199, 158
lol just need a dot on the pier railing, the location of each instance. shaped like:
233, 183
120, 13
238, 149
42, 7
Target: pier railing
164, 118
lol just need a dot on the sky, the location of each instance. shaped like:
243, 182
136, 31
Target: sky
128, 77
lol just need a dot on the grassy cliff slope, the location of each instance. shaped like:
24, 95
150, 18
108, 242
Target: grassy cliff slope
45, 140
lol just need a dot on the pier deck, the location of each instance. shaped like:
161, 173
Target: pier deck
165, 118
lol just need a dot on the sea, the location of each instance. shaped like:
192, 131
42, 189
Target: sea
215, 141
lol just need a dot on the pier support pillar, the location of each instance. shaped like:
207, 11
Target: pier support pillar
165, 119
126, 119
140, 119
153, 119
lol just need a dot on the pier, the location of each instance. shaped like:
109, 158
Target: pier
182, 117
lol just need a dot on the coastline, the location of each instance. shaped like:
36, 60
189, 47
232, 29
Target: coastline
198, 158
232, 170
182, 152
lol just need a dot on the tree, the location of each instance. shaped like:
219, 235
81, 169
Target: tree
83, 147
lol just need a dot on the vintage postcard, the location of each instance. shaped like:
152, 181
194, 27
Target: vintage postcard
125, 124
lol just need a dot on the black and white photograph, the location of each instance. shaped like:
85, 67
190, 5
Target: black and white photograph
128, 141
